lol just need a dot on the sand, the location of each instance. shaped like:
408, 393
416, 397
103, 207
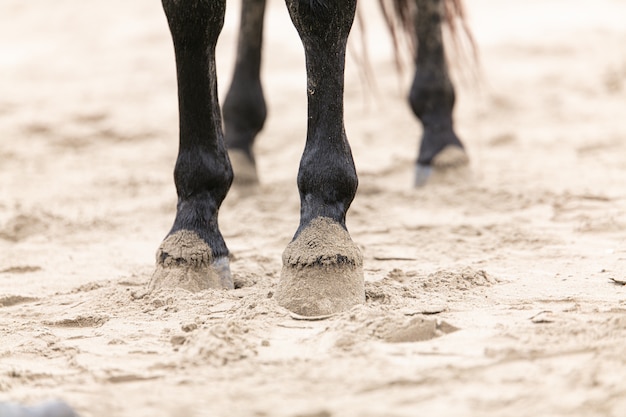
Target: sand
499, 293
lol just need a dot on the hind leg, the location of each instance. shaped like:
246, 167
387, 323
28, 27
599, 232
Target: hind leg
432, 96
322, 268
193, 255
244, 107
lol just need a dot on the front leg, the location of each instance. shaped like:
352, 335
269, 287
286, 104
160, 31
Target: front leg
193, 255
322, 268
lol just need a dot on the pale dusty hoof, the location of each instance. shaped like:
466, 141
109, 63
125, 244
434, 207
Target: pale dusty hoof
244, 169
448, 165
185, 261
322, 271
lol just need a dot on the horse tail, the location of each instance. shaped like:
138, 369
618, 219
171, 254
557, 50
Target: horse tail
399, 15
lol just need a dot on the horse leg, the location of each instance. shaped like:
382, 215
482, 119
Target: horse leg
244, 107
322, 268
432, 96
193, 255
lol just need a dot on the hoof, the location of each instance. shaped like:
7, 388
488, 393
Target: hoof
185, 261
244, 169
452, 162
322, 271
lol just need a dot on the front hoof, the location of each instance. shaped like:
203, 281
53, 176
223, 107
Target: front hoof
322, 271
449, 165
186, 261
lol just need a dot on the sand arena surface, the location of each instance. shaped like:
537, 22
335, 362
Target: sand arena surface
491, 296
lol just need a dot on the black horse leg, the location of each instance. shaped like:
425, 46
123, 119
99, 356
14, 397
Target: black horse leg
432, 96
194, 255
322, 268
244, 107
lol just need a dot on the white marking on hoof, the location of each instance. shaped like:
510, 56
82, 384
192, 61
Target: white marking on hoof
322, 271
185, 261
449, 165
422, 174
243, 168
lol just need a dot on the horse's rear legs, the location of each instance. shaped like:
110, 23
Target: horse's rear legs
244, 107
322, 268
432, 96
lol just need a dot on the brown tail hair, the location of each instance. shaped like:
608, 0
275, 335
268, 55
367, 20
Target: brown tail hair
399, 16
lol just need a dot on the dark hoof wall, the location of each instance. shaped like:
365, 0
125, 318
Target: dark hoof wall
185, 261
451, 164
322, 271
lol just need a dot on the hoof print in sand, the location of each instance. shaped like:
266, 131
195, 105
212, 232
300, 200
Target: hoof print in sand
79, 321
186, 261
418, 329
11, 300
322, 271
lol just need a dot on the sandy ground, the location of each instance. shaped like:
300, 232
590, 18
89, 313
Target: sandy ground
489, 296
